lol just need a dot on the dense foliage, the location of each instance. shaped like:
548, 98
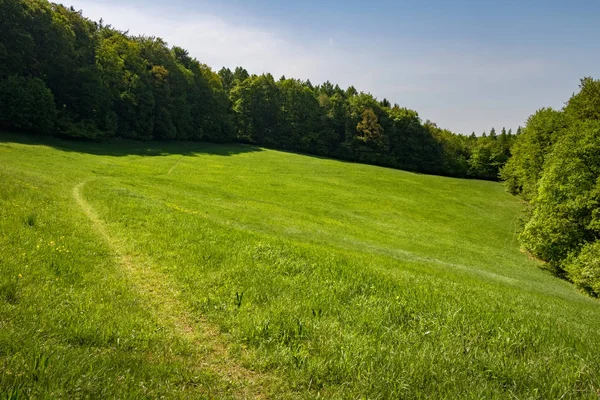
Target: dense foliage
63, 74
556, 165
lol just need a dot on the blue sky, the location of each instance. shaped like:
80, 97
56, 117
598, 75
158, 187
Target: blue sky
467, 65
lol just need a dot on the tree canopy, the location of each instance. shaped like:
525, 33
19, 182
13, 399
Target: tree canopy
556, 166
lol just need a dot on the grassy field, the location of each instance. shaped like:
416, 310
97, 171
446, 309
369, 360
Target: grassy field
132, 270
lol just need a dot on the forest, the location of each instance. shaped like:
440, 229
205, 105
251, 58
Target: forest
62, 74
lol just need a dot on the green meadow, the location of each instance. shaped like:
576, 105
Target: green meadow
190, 270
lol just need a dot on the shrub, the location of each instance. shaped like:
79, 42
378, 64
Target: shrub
584, 269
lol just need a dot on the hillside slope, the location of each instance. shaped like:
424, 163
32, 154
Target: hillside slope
192, 270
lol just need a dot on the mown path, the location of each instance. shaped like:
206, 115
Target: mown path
210, 350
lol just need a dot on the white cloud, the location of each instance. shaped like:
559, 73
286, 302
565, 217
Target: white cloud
218, 42
209, 38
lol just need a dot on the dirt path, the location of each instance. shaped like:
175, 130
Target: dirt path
174, 165
210, 350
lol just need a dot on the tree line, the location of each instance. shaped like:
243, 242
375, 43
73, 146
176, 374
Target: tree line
63, 74
556, 167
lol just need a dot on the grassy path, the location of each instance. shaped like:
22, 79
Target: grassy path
174, 165
162, 297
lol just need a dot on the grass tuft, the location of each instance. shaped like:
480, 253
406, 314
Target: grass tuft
9, 292
30, 220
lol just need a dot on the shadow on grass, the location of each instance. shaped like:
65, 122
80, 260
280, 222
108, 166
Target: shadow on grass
124, 147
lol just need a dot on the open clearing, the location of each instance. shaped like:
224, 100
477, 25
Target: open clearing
185, 270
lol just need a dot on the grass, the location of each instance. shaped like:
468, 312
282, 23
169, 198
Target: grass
226, 271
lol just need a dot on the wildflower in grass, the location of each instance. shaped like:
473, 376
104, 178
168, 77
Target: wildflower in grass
20, 276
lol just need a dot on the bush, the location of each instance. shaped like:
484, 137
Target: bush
81, 129
584, 269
